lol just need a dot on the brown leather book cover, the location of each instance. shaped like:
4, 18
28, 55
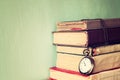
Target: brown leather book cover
113, 35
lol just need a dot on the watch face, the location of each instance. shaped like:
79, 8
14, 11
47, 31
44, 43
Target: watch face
86, 65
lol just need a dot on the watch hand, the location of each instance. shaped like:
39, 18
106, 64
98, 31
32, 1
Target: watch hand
84, 64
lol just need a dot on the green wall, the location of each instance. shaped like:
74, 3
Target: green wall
26, 50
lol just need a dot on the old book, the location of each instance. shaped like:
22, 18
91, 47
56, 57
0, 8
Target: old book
88, 24
62, 74
102, 62
89, 50
87, 38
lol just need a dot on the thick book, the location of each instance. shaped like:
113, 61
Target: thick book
87, 38
88, 50
62, 74
102, 62
88, 24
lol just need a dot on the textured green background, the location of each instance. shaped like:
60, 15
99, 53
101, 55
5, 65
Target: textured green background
26, 50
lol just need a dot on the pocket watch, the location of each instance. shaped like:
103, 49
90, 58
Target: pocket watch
86, 65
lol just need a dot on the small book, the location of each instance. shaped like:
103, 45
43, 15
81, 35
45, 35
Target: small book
62, 74
87, 24
101, 62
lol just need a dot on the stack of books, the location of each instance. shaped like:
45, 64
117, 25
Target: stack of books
87, 50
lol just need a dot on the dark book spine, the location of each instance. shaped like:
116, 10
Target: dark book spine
105, 36
96, 37
113, 35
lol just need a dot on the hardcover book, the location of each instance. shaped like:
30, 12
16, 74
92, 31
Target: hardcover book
102, 62
62, 74
89, 50
87, 38
88, 24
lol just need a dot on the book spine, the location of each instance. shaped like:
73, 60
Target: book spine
95, 37
113, 35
